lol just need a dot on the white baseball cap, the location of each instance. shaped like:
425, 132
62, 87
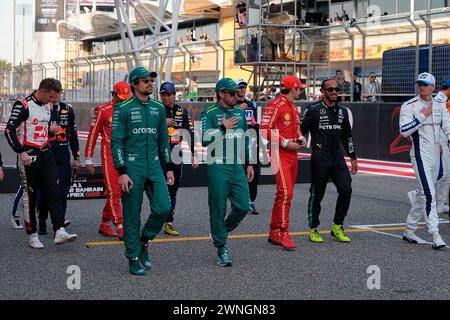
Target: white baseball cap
426, 78
240, 81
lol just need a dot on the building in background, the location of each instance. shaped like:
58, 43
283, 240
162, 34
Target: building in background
79, 41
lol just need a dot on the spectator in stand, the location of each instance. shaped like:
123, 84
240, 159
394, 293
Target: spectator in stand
373, 87
343, 86
180, 40
344, 16
204, 36
357, 89
241, 14
323, 21
337, 19
192, 35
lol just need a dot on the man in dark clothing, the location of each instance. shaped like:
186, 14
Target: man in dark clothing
357, 89
177, 118
250, 110
330, 127
343, 86
63, 137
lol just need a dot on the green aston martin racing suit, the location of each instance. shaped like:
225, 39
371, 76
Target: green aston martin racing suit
139, 141
226, 176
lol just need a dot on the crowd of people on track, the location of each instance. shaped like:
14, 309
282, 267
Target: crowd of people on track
140, 153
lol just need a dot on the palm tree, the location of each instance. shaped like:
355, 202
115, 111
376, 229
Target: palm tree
5, 68
24, 77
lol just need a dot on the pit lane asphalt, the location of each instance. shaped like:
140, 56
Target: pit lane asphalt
188, 269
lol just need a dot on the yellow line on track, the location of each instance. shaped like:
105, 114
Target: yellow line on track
243, 236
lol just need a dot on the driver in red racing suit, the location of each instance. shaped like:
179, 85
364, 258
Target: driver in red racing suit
280, 125
101, 125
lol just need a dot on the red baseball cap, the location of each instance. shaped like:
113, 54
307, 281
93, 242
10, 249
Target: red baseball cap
290, 82
123, 90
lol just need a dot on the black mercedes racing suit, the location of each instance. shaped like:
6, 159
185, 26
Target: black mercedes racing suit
27, 131
182, 120
60, 143
330, 129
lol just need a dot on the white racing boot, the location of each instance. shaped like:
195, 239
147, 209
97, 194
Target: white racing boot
438, 243
34, 241
409, 235
62, 236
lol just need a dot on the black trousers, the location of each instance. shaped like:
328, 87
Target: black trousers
253, 186
64, 171
41, 175
323, 167
178, 173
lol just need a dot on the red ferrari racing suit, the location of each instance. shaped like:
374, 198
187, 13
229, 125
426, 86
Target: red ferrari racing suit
101, 124
281, 124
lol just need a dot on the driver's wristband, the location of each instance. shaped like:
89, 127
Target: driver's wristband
121, 170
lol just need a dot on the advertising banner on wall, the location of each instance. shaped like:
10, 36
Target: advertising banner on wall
87, 186
47, 15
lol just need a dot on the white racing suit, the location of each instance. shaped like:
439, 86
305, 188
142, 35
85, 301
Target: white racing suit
425, 156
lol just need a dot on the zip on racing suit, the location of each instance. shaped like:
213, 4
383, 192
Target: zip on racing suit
27, 131
101, 125
60, 142
425, 156
282, 115
139, 141
330, 129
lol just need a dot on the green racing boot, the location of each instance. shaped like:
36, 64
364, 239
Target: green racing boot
338, 232
314, 236
143, 256
135, 268
224, 259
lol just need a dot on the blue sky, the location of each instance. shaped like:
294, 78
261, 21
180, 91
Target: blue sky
7, 31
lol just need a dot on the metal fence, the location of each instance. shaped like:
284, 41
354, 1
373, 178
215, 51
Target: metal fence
394, 48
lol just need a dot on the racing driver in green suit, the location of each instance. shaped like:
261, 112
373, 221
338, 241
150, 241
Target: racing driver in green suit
224, 133
139, 142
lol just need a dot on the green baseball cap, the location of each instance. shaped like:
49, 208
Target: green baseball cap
226, 84
141, 73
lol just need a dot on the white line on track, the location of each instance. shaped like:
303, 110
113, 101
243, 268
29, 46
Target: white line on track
369, 226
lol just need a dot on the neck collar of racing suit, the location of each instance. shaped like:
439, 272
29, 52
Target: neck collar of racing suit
224, 108
425, 101
33, 96
329, 107
141, 101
